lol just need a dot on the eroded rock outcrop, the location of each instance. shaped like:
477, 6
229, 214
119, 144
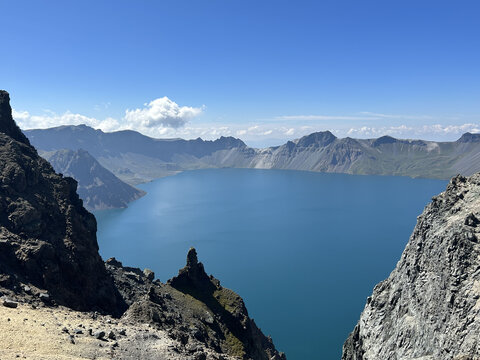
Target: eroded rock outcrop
429, 307
195, 309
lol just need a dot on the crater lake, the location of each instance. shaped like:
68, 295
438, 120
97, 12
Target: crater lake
303, 249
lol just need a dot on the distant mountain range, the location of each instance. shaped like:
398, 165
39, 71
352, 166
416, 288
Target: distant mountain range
100, 161
136, 158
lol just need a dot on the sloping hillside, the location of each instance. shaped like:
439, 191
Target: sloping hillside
97, 187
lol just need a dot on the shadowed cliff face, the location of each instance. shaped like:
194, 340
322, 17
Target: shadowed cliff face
47, 238
429, 307
7, 125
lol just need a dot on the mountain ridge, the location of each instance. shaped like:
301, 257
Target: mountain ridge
149, 158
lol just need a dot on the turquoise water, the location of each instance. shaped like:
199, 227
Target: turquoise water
303, 249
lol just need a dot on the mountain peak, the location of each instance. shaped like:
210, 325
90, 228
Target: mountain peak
230, 142
469, 137
386, 139
7, 124
322, 138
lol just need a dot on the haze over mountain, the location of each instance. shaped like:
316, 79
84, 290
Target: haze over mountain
136, 158
97, 187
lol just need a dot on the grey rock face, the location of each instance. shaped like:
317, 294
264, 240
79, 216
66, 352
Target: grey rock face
429, 307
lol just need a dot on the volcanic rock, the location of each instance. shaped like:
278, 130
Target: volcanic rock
429, 306
47, 238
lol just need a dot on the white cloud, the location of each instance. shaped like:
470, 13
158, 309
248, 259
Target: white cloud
437, 131
164, 118
157, 118
161, 112
361, 116
395, 116
27, 121
321, 117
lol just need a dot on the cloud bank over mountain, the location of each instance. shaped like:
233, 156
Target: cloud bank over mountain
156, 118
164, 118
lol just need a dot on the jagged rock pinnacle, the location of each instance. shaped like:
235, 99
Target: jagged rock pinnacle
192, 259
7, 124
192, 275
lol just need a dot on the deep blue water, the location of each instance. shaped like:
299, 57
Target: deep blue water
303, 249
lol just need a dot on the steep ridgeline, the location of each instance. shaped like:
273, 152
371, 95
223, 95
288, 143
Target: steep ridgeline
49, 257
383, 156
47, 238
429, 307
97, 187
136, 158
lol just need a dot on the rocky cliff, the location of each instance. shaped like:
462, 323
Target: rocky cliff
47, 238
49, 262
97, 187
429, 307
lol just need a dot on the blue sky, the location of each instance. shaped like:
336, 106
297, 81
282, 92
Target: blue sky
264, 71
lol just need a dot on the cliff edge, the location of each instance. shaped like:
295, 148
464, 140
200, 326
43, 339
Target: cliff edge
429, 307
47, 238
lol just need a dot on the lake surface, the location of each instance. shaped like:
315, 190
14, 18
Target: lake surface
303, 249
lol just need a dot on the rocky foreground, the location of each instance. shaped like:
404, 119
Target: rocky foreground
52, 274
161, 322
429, 307
61, 333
